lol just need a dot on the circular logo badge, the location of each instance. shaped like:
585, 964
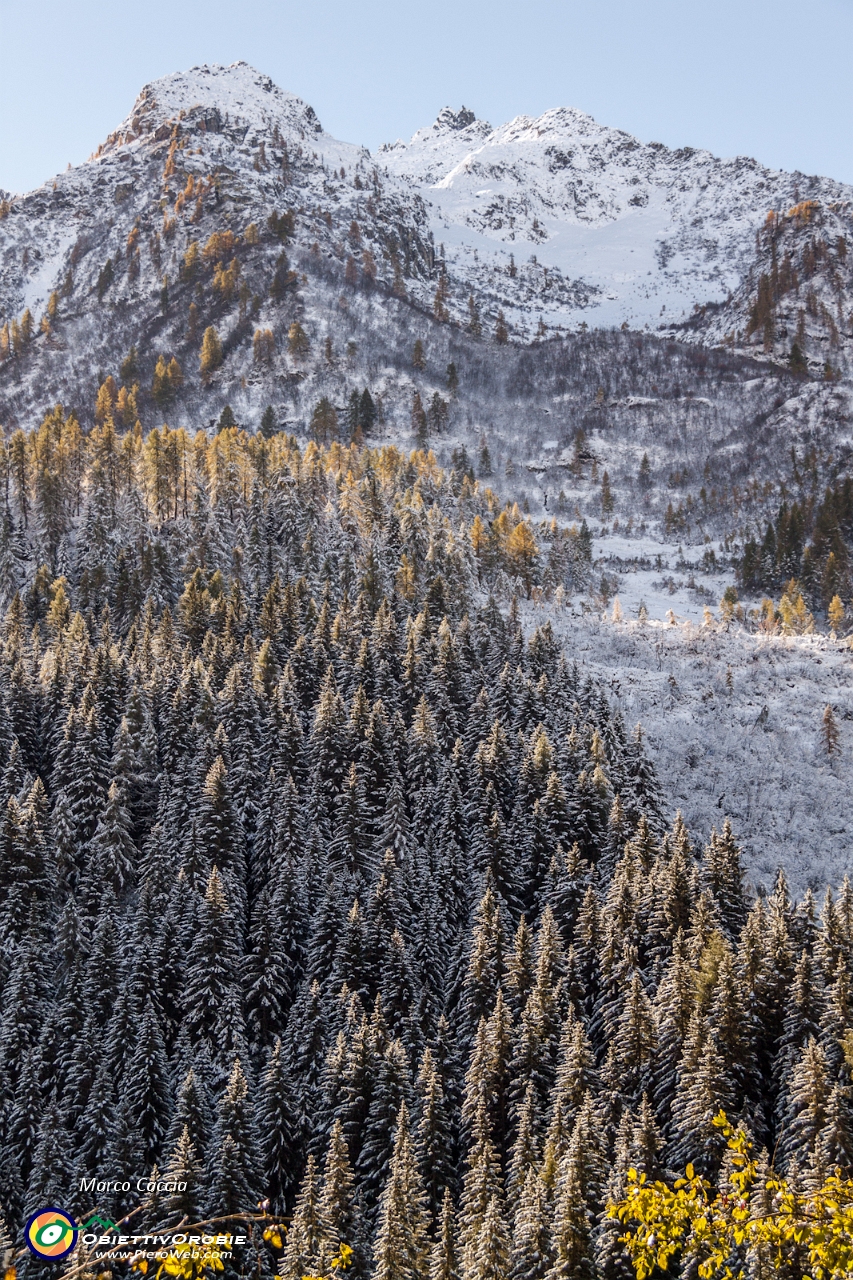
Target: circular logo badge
51, 1233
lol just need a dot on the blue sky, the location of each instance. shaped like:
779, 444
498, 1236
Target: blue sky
771, 80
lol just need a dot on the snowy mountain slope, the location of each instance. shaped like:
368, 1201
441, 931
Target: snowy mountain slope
557, 218
733, 721
647, 233
446, 142
221, 203
291, 227
796, 290
230, 115
216, 150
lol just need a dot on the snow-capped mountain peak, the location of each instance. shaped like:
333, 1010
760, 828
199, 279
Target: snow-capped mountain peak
542, 225
214, 93
611, 230
444, 143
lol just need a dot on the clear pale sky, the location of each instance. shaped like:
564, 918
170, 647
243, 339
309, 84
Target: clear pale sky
740, 77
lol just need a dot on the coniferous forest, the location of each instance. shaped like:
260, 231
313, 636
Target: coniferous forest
328, 878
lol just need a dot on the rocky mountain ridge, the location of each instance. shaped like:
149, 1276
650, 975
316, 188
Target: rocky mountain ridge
650, 236
615, 230
220, 202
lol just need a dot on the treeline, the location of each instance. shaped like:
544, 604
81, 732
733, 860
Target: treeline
434, 534
320, 882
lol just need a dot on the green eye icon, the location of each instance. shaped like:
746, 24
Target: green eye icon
51, 1233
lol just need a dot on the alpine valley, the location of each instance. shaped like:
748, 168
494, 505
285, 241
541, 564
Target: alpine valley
356, 508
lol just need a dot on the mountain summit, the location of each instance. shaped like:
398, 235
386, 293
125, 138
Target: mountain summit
645, 234
210, 95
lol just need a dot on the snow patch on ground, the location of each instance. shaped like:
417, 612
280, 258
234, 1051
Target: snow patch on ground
733, 721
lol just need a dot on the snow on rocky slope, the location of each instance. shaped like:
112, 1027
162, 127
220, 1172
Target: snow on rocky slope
646, 235
218, 118
213, 150
733, 722
536, 219
557, 219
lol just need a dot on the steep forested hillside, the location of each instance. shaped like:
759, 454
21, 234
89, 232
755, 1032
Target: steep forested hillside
321, 882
